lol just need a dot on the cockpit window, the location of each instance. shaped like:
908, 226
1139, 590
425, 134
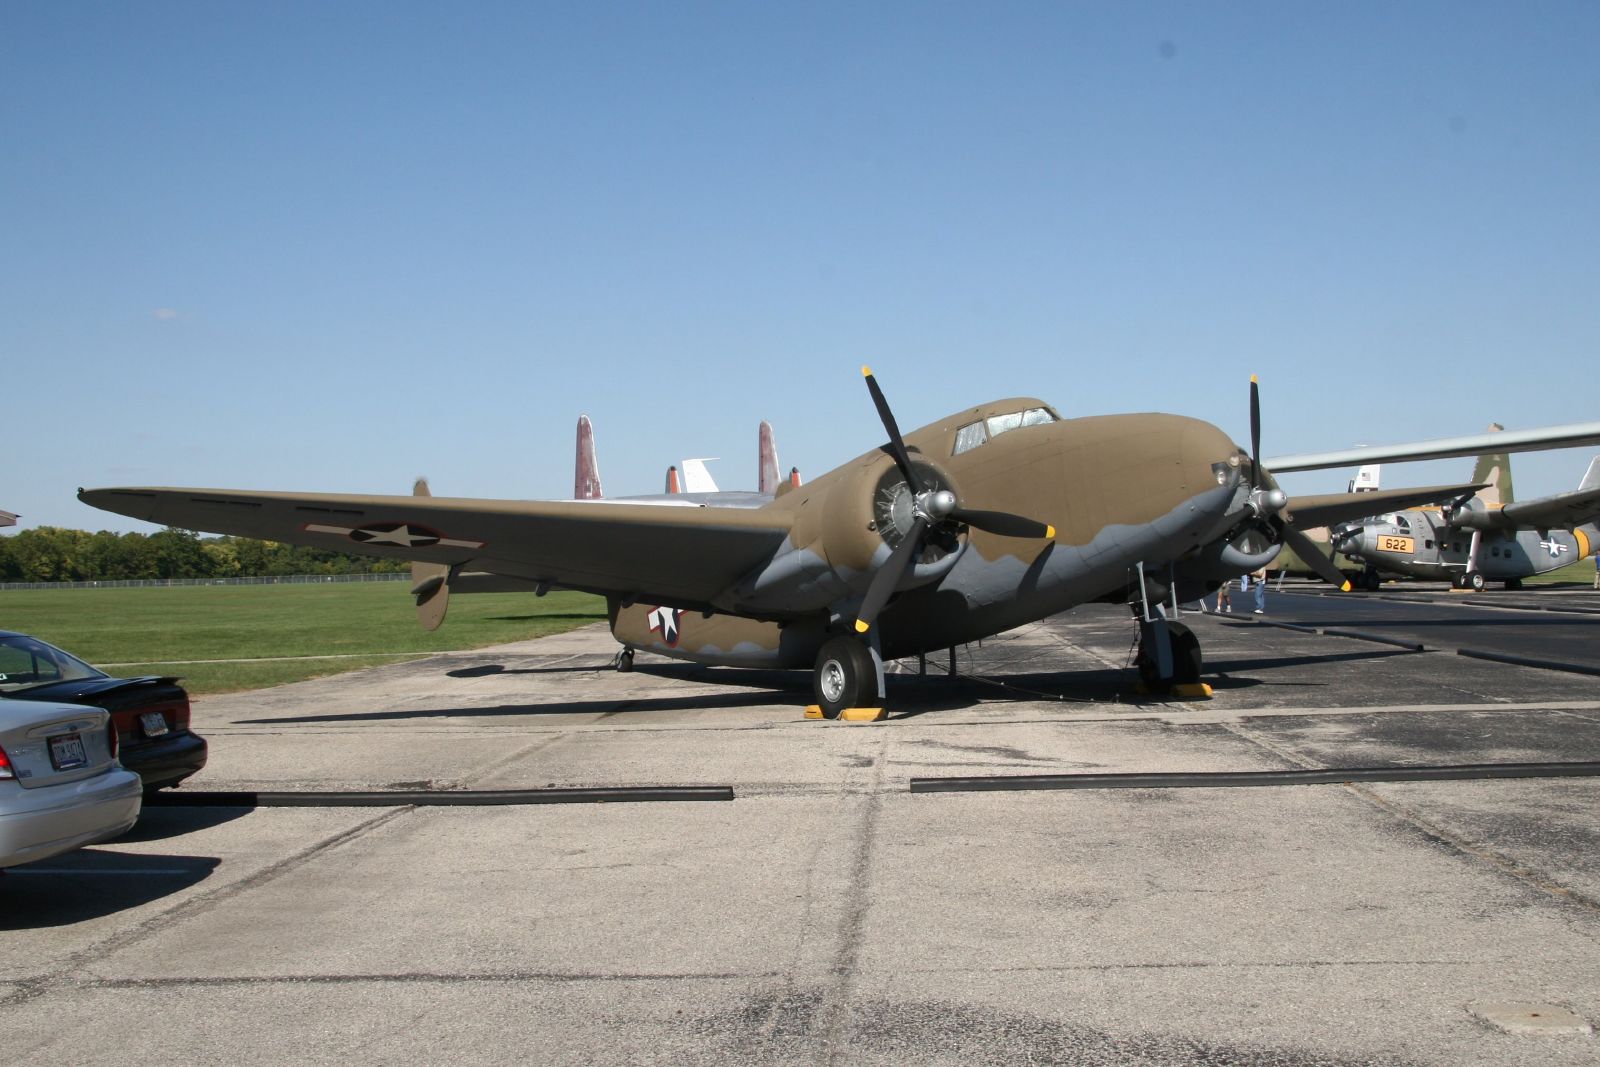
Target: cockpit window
969, 437
974, 434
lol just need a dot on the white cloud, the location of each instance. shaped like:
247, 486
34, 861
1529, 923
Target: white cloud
164, 314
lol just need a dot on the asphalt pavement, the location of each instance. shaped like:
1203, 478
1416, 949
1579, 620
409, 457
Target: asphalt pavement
830, 915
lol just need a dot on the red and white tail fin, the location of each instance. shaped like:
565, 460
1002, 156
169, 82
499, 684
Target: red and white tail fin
767, 477
586, 476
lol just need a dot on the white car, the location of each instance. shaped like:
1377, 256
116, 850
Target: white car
61, 786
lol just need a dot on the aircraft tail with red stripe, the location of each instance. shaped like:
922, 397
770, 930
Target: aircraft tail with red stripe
586, 477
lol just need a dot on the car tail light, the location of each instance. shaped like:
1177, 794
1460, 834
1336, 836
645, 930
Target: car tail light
5, 765
180, 714
111, 736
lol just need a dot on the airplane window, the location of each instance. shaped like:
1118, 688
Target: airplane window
999, 424
1400, 521
1037, 417
1430, 542
969, 437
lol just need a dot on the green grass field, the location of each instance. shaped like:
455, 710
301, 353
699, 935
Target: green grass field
358, 624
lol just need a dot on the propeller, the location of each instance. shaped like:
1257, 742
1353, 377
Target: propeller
1275, 500
929, 508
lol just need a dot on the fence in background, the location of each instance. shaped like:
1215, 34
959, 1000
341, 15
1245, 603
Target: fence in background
286, 579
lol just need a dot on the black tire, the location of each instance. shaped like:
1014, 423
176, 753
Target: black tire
1186, 661
843, 676
1475, 582
1186, 658
625, 660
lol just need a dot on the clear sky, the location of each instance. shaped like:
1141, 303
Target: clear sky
329, 247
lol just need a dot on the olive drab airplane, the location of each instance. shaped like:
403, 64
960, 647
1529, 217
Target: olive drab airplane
1475, 539
995, 516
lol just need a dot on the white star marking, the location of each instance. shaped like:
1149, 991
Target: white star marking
1555, 548
665, 622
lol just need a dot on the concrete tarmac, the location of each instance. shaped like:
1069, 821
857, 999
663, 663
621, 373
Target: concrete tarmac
828, 915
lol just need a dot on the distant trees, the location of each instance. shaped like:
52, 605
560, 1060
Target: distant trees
53, 554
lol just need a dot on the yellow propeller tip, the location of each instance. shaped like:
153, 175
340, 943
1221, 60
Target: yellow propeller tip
1345, 588
1049, 533
862, 626
866, 371
1254, 380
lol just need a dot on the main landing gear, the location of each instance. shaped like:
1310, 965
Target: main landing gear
848, 674
1169, 654
1472, 580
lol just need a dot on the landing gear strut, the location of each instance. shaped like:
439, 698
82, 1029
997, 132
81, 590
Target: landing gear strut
847, 675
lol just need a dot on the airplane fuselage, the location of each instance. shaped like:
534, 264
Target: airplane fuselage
1119, 490
1420, 544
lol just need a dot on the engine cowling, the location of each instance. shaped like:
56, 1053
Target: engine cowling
864, 516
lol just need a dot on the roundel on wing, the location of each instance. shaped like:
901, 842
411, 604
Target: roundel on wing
399, 534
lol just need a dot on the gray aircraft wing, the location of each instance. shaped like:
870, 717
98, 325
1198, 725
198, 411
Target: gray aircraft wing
681, 556
1329, 509
1550, 437
1560, 510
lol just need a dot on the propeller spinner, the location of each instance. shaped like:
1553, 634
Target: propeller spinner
930, 507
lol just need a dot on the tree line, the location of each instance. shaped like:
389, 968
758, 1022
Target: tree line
53, 554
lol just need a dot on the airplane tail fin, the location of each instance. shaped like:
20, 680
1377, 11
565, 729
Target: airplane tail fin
586, 476
697, 478
1367, 480
1591, 477
1495, 469
767, 460
430, 582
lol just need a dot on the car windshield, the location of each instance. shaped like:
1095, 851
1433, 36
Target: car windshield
26, 663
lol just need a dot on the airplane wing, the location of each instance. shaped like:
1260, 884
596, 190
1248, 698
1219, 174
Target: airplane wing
1330, 509
1551, 437
681, 557
1561, 510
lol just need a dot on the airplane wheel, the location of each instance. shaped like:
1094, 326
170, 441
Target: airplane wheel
625, 660
1475, 582
1186, 660
843, 675
1185, 653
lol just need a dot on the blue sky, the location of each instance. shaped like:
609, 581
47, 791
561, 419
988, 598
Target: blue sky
329, 247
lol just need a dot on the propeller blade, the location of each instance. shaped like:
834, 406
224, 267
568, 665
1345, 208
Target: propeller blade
1255, 433
1312, 556
897, 445
889, 575
1003, 523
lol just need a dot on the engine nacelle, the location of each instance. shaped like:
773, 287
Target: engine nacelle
1245, 552
1472, 515
862, 518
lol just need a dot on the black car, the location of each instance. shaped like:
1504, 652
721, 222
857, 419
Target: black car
151, 714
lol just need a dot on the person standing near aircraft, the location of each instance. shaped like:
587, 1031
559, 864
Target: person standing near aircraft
1258, 581
1224, 601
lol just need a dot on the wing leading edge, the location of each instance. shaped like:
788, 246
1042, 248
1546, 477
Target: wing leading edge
676, 556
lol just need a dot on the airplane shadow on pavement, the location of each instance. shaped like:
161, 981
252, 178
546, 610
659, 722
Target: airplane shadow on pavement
910, 694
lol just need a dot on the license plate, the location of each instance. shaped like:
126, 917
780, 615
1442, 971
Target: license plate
154, 723
1390, 543
66, 752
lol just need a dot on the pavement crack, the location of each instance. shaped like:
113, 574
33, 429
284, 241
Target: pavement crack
69, 970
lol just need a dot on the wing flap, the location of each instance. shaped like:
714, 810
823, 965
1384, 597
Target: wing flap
680, 555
